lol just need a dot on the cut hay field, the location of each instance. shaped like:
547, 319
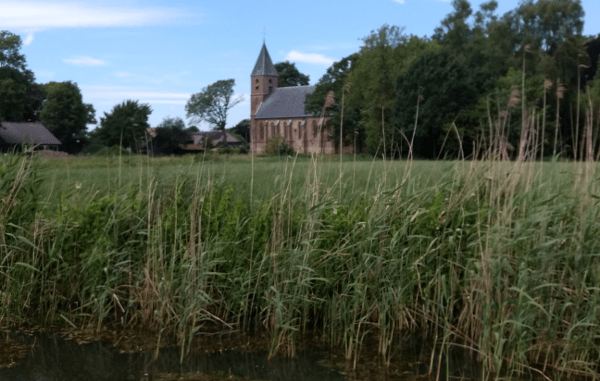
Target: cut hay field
499, 257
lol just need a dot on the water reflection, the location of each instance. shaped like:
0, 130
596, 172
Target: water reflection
56, 359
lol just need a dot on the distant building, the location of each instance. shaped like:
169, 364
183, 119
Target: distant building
219, 139
280, 112
14, 134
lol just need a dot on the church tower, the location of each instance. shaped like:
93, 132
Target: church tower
263, 79
263, 82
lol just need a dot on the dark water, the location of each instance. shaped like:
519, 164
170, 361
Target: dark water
56, 359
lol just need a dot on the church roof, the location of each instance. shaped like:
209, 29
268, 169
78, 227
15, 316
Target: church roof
285, 102
27, 133
264, 65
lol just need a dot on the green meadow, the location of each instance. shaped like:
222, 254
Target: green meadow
499, 257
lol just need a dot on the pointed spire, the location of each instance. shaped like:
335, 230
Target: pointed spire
264, 65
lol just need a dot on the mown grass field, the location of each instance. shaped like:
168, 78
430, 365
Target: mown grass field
500, 257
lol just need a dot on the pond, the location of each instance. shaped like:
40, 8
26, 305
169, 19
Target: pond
52, 358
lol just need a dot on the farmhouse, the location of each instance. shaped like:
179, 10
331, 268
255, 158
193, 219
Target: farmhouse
279, 112
218, 139
13, 135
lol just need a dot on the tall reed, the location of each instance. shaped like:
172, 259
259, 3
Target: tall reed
489, 255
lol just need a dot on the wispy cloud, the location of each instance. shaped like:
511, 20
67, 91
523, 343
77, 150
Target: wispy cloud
399, 1
334, 46
44, 74
38, 15
84, 61
128, 77
28, 40
116, 94
313, 58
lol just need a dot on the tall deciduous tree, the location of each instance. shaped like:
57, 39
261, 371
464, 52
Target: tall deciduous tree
437, 87
289, 75
66, 116
385, 54
336, 80
243, 129
212, 104
170, 134
16, 81
126, 124
455, 30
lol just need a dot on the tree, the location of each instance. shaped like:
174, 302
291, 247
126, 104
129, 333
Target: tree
126, 124
10, 44
66, 116
212, 104
243, 129
336, 80
16, 81
547, 23
438, 86
289, 75
170, 134
455, 30
385, 54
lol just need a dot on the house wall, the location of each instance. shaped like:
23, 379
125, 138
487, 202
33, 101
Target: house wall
303, 134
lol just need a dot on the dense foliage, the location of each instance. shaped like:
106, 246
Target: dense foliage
20, 97
289, 75
125, 125
169, 136
456, 80
66, 116
212, 104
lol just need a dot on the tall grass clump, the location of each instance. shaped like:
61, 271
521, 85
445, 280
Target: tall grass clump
490, 255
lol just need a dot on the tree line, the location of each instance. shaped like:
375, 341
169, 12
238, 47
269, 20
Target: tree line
481, 80
60, 107
440, 96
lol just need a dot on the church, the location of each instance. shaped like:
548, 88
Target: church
276, 111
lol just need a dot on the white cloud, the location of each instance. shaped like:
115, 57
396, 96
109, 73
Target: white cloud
44, 74
84, 61
399, 1
117, 94
28, 40
129, 77
334, 46
37, 15
313, 58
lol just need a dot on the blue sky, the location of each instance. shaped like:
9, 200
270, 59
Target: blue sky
160, 52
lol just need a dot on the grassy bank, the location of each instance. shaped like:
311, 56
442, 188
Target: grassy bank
500, 257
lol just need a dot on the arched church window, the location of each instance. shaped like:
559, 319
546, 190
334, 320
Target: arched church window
262, 131
272, 129
314, 125
299, 131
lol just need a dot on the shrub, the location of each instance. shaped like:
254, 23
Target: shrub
111, 151
224, 151
276, 145
92, 148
